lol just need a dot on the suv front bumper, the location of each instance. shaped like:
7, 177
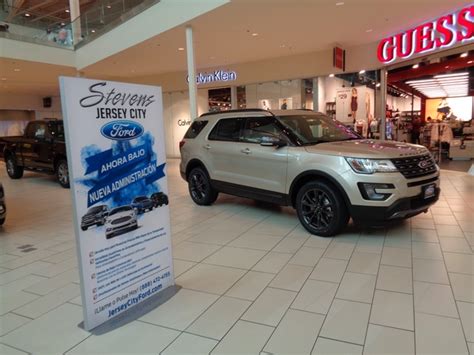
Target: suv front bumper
400, 209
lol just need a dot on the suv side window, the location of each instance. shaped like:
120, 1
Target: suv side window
258, 127
40, 131
30, 130
195, 129
227, 129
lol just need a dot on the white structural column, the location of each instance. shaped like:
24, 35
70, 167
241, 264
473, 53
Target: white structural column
75, 12
383, 102
192, 85
233, 97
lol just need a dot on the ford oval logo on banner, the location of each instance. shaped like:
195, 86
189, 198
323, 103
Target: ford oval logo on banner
122, 130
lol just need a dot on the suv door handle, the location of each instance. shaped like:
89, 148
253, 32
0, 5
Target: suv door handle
246, 151
207, 146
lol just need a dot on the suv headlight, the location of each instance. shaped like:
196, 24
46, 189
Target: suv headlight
370, 166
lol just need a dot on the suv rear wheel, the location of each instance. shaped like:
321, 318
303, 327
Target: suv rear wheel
321, 209
200, 188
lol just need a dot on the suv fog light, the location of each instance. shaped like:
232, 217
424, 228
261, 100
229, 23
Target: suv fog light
369, 191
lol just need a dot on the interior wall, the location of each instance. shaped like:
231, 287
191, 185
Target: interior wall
32, 103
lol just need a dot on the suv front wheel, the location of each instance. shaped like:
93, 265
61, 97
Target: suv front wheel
200, 188
321, 209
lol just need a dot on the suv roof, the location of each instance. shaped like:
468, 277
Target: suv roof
253, 112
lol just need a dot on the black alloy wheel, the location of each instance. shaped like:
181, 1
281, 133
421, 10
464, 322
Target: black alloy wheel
321, 209
62, 173
13, 170
200, 188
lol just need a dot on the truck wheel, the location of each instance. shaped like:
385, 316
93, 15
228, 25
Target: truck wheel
321, 209
200, 188
2, 220
62, 173
13, 170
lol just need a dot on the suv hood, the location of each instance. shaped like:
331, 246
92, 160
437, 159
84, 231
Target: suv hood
368, 148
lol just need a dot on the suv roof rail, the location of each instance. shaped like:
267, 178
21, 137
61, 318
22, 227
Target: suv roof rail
238, 110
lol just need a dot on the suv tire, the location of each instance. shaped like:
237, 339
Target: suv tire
13, 170
200, 188
321, 209
62, 173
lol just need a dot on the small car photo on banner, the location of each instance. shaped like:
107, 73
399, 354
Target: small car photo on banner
117, 166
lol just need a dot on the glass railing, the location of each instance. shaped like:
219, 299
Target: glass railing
103, 16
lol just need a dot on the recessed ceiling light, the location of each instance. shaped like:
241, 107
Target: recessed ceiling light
464, 55
27, 15
362, 71
331, 75
109, 6
93, 31
4, 79
446, 67
255, 34
378, 85
16, 69
416, 66
180, 49
340, 3
67, 10
62, 23
369, 30
470, 62
282, 45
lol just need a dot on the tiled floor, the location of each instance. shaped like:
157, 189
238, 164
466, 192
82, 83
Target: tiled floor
253, 281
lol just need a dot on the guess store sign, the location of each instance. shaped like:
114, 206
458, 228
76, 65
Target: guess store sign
441, 33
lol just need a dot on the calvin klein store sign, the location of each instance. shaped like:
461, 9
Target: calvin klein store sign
216, 76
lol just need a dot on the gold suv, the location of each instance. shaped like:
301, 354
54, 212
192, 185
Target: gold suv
309, 161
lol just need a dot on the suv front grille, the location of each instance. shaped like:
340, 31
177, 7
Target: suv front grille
121, 220
413, 167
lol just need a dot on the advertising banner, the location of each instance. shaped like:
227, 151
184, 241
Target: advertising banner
116, 157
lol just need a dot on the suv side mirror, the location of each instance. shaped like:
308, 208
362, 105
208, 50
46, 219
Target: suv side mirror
267, 141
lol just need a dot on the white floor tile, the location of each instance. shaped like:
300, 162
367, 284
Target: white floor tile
181, 266
423, 223
250, 285
289, 245
255, 335
462, 285
147, 339
315, 296
424, 235
270, 306
307, 256
256, 241
439, 335
396, 257
272, 262
357, 287
194, 251
317, 242
384, 340
346, 321
364, 263
7, 350
41, 335
466, 311
190, 344
430, 271
54, 283
210, 278
423, 250
180, 310
295, 334
434, 299
292, 277
446, 231
10, 321
219, 318
455, 245
329, 270
235, 257
341, 251
392, 309
393, 278
459, 263
325, 346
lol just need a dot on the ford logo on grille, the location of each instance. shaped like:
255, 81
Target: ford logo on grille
122, 130
423, 164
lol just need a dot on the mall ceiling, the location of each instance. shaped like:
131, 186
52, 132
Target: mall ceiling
251, 30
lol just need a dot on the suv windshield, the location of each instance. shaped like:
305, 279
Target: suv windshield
317, 128
121, 209
95, 209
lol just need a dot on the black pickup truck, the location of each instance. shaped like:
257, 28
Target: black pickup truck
41, 148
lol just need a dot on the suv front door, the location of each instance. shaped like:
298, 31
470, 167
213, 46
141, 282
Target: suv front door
262, 167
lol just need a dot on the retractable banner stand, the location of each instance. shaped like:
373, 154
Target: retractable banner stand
116, 156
